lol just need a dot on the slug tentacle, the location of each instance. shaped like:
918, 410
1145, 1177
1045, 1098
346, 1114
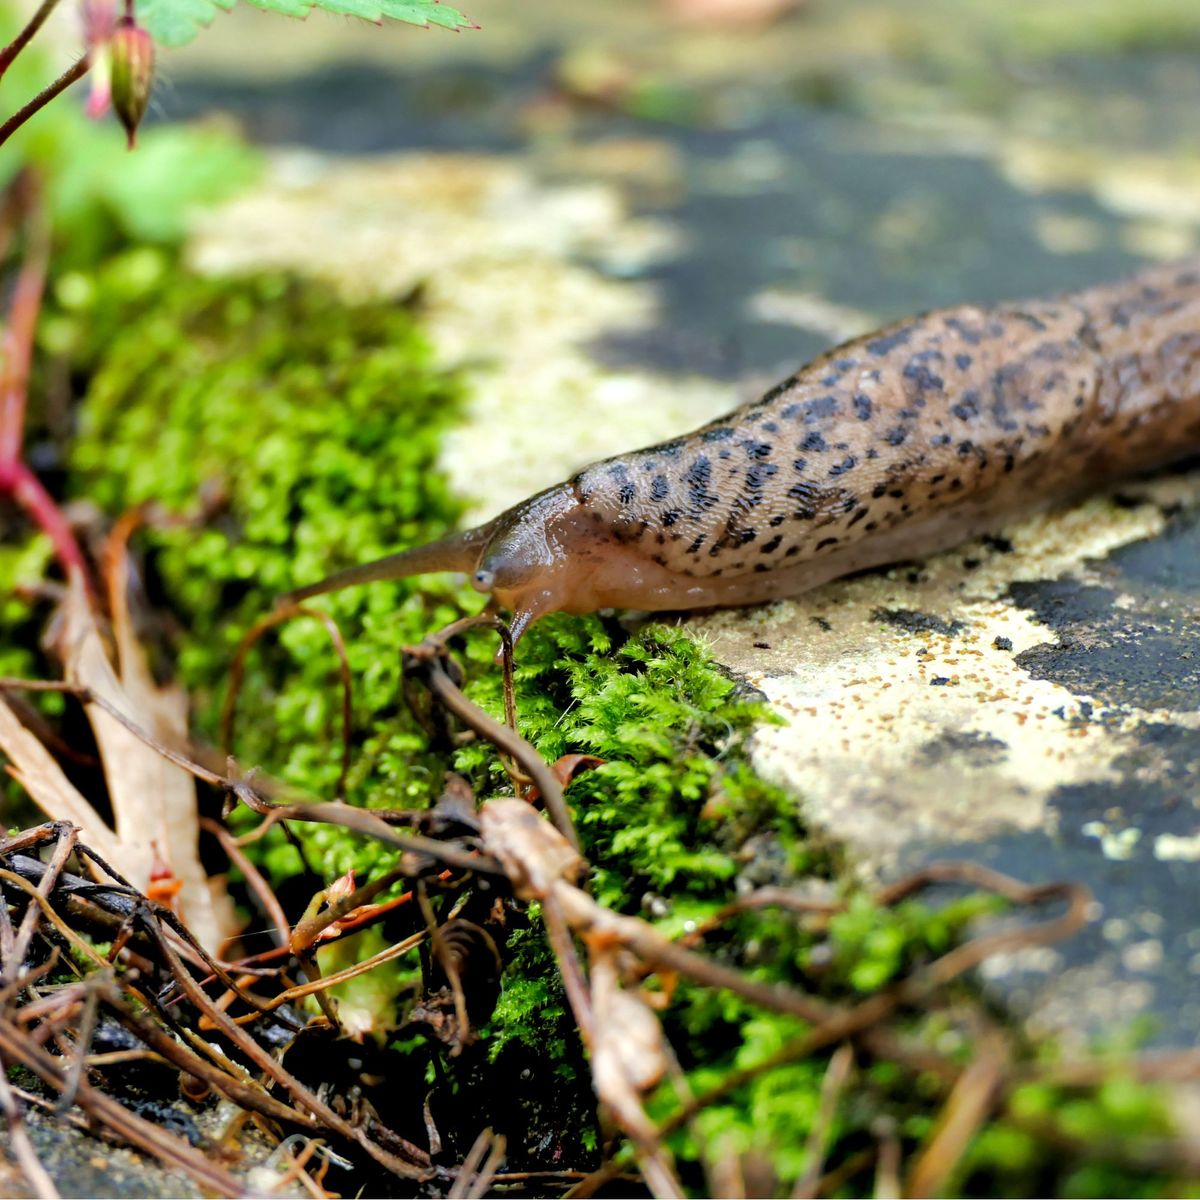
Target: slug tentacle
892, 446
459, 552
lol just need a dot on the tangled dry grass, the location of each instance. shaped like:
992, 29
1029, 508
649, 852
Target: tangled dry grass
82, 943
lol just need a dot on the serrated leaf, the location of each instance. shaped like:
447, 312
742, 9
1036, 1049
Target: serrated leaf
365, 10
289, 8
176, 22
421, 12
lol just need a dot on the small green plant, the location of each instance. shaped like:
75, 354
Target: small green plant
118, 49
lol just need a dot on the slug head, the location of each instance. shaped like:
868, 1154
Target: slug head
525, 563
554, 553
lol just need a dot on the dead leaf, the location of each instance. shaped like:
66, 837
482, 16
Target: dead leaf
565, 769
534, 854
153, 800
35, 769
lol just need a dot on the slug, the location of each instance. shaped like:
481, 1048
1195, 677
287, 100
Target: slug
890, 447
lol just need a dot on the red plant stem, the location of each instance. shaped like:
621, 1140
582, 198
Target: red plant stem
16, 479
18, 347
25, 36
26, 489
76, 71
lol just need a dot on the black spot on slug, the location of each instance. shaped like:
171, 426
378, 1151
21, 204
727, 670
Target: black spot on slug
922, 378
699, 472
968, 408
813, 441
824, 406
862, 407
808, 497
758, 474
889, 341
777, 391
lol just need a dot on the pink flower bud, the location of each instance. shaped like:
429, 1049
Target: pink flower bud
99, 20
132, 54
100, 92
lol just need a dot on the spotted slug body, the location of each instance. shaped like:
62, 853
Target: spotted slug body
889, 447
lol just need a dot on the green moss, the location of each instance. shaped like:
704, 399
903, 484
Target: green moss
310, 430
669, 811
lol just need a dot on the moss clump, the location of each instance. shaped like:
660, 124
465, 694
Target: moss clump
669, 811
310, 430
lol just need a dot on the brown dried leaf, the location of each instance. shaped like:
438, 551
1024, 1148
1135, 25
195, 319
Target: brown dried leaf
534, 854
153, 800
35, 769
628, 1058
565, 768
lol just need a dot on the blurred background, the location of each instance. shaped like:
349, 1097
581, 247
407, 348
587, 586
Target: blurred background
811, 166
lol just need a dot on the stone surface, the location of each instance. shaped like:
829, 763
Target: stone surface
615, 270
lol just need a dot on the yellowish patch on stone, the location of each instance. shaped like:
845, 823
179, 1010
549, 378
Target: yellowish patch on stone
495, 255
1169, 847
1066, 233
900, 735
1159, 195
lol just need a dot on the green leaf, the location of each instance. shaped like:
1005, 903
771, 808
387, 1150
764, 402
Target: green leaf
289, 8
176, 22
149, 194
424, 12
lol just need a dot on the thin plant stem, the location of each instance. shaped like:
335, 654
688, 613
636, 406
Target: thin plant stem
10, 52
18, 339
16, 479
27, 490
76, 71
